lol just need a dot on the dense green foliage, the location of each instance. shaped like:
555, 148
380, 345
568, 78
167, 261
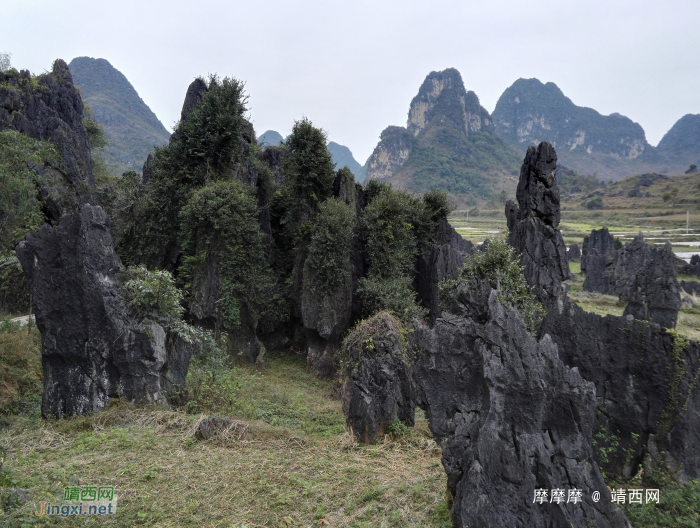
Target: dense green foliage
498, 266
398, 228
155, 293
20, 208
220, 221
203, 148
95, 132
459, 164
331, 241
594, 203
572, 182
309, 170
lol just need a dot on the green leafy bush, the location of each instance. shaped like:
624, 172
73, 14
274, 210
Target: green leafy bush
594, 203
498, 267
309, 169
221, 221
20, 208
391, 294
331, 241
151, 291
204, 148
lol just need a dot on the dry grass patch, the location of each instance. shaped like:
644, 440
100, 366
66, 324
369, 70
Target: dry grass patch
255, 474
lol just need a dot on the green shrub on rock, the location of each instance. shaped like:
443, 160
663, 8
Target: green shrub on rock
497, 267
221, 229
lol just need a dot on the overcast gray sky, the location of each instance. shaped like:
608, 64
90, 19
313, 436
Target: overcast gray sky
353, 67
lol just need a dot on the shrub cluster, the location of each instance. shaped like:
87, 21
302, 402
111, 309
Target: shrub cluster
498, 266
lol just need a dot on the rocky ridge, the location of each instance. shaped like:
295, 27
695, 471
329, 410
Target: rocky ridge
448, 143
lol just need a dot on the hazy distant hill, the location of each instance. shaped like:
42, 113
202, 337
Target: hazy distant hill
341, 154
610, 147
448, 143
130, 126
682, 142
270, 137
342, 157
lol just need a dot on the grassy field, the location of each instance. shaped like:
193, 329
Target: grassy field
286, 461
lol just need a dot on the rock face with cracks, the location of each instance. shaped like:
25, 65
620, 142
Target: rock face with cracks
534, 223
646, 388
377, 387
645, 376
598, 261
94, 344
49, 107
646, 278
510, 418
445, 260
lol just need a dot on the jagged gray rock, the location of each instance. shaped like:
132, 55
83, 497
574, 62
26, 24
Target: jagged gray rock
645, 277
598, 260
691, 287
377, 388
534, 222
645, 377
574, 253
49, 107
445, 260
510, 418
94, 344
195, 93
646, 394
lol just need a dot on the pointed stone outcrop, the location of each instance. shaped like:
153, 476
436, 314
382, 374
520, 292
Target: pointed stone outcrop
510, 418
95, 346
598, 261
534, 223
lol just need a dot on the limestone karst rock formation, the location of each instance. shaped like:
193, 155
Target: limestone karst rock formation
377, 387
642, 276
444, 262
534, 225
691, 287
573, 254
95, 346
49, 107
510, 418
599, 255
448, 143
645, 378
646, 388
529, 112
645, 277
327, 315
195, 93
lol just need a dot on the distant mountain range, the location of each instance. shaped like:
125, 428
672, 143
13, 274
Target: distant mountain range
451, 142
132, 129
610, 147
